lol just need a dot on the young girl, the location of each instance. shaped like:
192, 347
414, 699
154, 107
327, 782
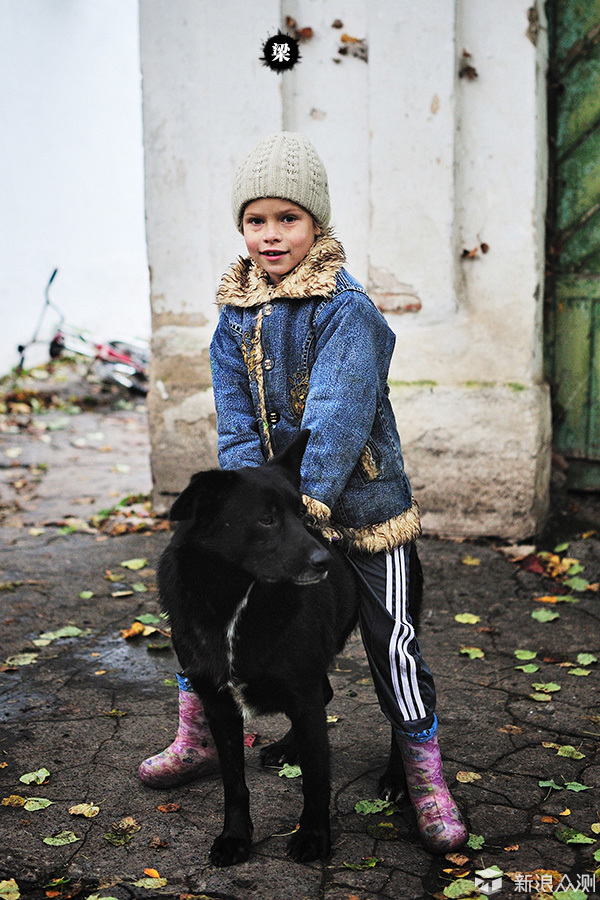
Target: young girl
299, 344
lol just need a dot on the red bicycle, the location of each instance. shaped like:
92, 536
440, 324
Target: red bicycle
122, 362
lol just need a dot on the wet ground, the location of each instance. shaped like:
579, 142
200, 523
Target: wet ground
518, 697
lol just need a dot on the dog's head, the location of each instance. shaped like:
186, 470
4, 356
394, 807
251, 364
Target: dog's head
253, 518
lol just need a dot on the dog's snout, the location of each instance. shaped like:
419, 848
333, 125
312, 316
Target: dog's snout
320, 559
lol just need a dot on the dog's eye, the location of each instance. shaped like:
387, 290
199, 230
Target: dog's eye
266, 520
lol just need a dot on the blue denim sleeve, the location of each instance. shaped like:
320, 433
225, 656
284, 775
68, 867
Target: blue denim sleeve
353, 352
239, 442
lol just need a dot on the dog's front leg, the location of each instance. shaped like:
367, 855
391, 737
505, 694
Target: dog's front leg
226, 724
312, 839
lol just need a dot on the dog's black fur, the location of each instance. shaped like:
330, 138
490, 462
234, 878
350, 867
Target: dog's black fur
259, 606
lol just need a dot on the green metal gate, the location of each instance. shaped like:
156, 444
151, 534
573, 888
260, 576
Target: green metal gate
573, 295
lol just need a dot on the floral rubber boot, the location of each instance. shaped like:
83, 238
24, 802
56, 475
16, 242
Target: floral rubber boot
441, 826
191, 755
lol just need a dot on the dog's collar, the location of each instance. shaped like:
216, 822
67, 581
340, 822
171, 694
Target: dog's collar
246, 284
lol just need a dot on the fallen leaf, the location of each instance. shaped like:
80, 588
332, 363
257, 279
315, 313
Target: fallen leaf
511, 729
541, 698
383, 831
85, 809
476, 841
9, 890
62, 838
169, 807
150, 883
595, 828
586, 659
370, 807
34, 803
250, 739
368, 862
550, 784
549, 687
470, 561
565, 812
472, 652
463, 887
576, 786
570, 836
467, 777
549, 820
38, 777
467, 618
511, 848
288, 771
134, 564
579, 672
14, 800
570, 752
459, 859
528, 668
86, 595
22, 659
544, 615
525, 654
152, 873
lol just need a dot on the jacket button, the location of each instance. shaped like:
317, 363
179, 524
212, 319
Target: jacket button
269, 364
273, 418
268, 309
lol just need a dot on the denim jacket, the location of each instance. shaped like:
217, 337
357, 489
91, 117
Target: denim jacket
314, 352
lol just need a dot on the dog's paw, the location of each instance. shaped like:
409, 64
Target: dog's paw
228, 850
279, 753
392, 787
308, 844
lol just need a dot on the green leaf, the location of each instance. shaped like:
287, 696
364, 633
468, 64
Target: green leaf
150, 883
134, 563
86, 595
288, 771
34, 803
148, 619
67, 631
560, 548
139, 588
467, 618
576, 786
37, 777
525, 654
576, 583
570, 752
580, 672
462, 887
547, 688
368, 862
62, 838
472, 652
550, 784
570, 836
544, 615
476, 841
383, 831
369, 807
586, 659
22, 659
575, 569
529, 668
541, 698
597, 855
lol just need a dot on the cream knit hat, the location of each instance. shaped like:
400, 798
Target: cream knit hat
287, 166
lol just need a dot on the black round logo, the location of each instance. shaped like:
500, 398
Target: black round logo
280, 53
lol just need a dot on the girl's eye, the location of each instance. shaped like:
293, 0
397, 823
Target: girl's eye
289, 218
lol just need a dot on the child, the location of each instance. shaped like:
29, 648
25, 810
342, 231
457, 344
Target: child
300, 344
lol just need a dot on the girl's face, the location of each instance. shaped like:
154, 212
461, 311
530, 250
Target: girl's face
278, 235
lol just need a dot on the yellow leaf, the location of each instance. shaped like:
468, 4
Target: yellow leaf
511, 847
470, 561
14, 800
595, 828
152, 873
565, 812
467, 777
85, 809
459, 859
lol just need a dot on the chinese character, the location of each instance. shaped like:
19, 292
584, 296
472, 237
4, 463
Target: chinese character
565, 884
280, 53
587, 883
545, 884
523, 882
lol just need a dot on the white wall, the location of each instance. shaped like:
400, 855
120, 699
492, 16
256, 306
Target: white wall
71, 172
421, 163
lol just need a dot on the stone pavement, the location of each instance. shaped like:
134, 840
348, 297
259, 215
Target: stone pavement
87, 706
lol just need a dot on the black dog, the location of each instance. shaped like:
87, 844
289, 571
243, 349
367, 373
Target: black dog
259, 607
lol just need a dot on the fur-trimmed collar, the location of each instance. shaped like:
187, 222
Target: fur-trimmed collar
246, 284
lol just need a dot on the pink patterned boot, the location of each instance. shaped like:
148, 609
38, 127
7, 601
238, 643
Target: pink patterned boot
439, 821
191, 755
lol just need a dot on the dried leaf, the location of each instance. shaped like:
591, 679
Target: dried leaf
549, 820
459, 859
152, 873
14, 800
169, 807
85, 809
470, 561
9, 890
467, 777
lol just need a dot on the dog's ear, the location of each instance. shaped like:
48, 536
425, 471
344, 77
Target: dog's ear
290, 459
203, 497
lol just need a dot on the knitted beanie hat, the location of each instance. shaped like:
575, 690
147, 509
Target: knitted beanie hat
284, 165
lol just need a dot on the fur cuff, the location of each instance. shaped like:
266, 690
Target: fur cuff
399, 530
